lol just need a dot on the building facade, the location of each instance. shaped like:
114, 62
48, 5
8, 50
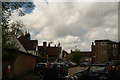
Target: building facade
51, 52
105, 50
86, 56
31, 46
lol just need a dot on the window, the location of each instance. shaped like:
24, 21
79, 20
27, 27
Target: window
114, 45
109, 46
114, 52
103, 43
103, 51
97, 68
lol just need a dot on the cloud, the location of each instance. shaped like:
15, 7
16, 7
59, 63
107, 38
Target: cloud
69, 39
47, 33
72, 23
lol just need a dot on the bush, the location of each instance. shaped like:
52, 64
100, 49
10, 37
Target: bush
75, 57
8, 55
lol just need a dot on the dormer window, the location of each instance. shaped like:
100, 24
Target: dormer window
103, 43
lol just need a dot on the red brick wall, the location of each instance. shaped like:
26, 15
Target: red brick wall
100, 57
24, 64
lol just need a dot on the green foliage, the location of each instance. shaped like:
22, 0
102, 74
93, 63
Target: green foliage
75, 56
16, 28
11, 29
41, 58
8, 56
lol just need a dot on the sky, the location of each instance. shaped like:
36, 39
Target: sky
73, 24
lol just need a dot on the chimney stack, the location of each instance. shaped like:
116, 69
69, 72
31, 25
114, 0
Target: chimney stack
92, 43
44, 44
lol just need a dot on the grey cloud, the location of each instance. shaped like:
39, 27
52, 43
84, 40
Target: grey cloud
85, 22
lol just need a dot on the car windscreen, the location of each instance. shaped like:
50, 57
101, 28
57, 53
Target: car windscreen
41, 65
97, 69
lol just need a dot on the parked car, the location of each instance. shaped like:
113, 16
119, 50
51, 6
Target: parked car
73, 64
84, 64
40, 67
69, 63
94, 72
61, 68
111, 63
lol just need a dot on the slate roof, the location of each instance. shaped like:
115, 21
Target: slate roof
28, 44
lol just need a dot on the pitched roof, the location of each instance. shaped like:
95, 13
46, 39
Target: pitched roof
65, 52
31, 44
28, 44
14, 40
18, 52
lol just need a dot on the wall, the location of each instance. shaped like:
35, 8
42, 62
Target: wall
100, 57
23, 64
5, 66
113, 50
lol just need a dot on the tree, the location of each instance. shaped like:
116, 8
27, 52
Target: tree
11, 29
75, 56
15, 29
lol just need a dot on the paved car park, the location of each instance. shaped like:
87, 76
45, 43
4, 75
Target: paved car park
33, 76
71, 71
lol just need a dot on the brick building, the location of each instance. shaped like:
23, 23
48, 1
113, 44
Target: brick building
86, 56
52, 52
25, 57
105, 50
31, 46
23, 64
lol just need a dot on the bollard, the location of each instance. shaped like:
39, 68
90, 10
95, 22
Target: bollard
9, 70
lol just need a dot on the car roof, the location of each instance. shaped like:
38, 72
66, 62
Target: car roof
98, 64
41, 63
